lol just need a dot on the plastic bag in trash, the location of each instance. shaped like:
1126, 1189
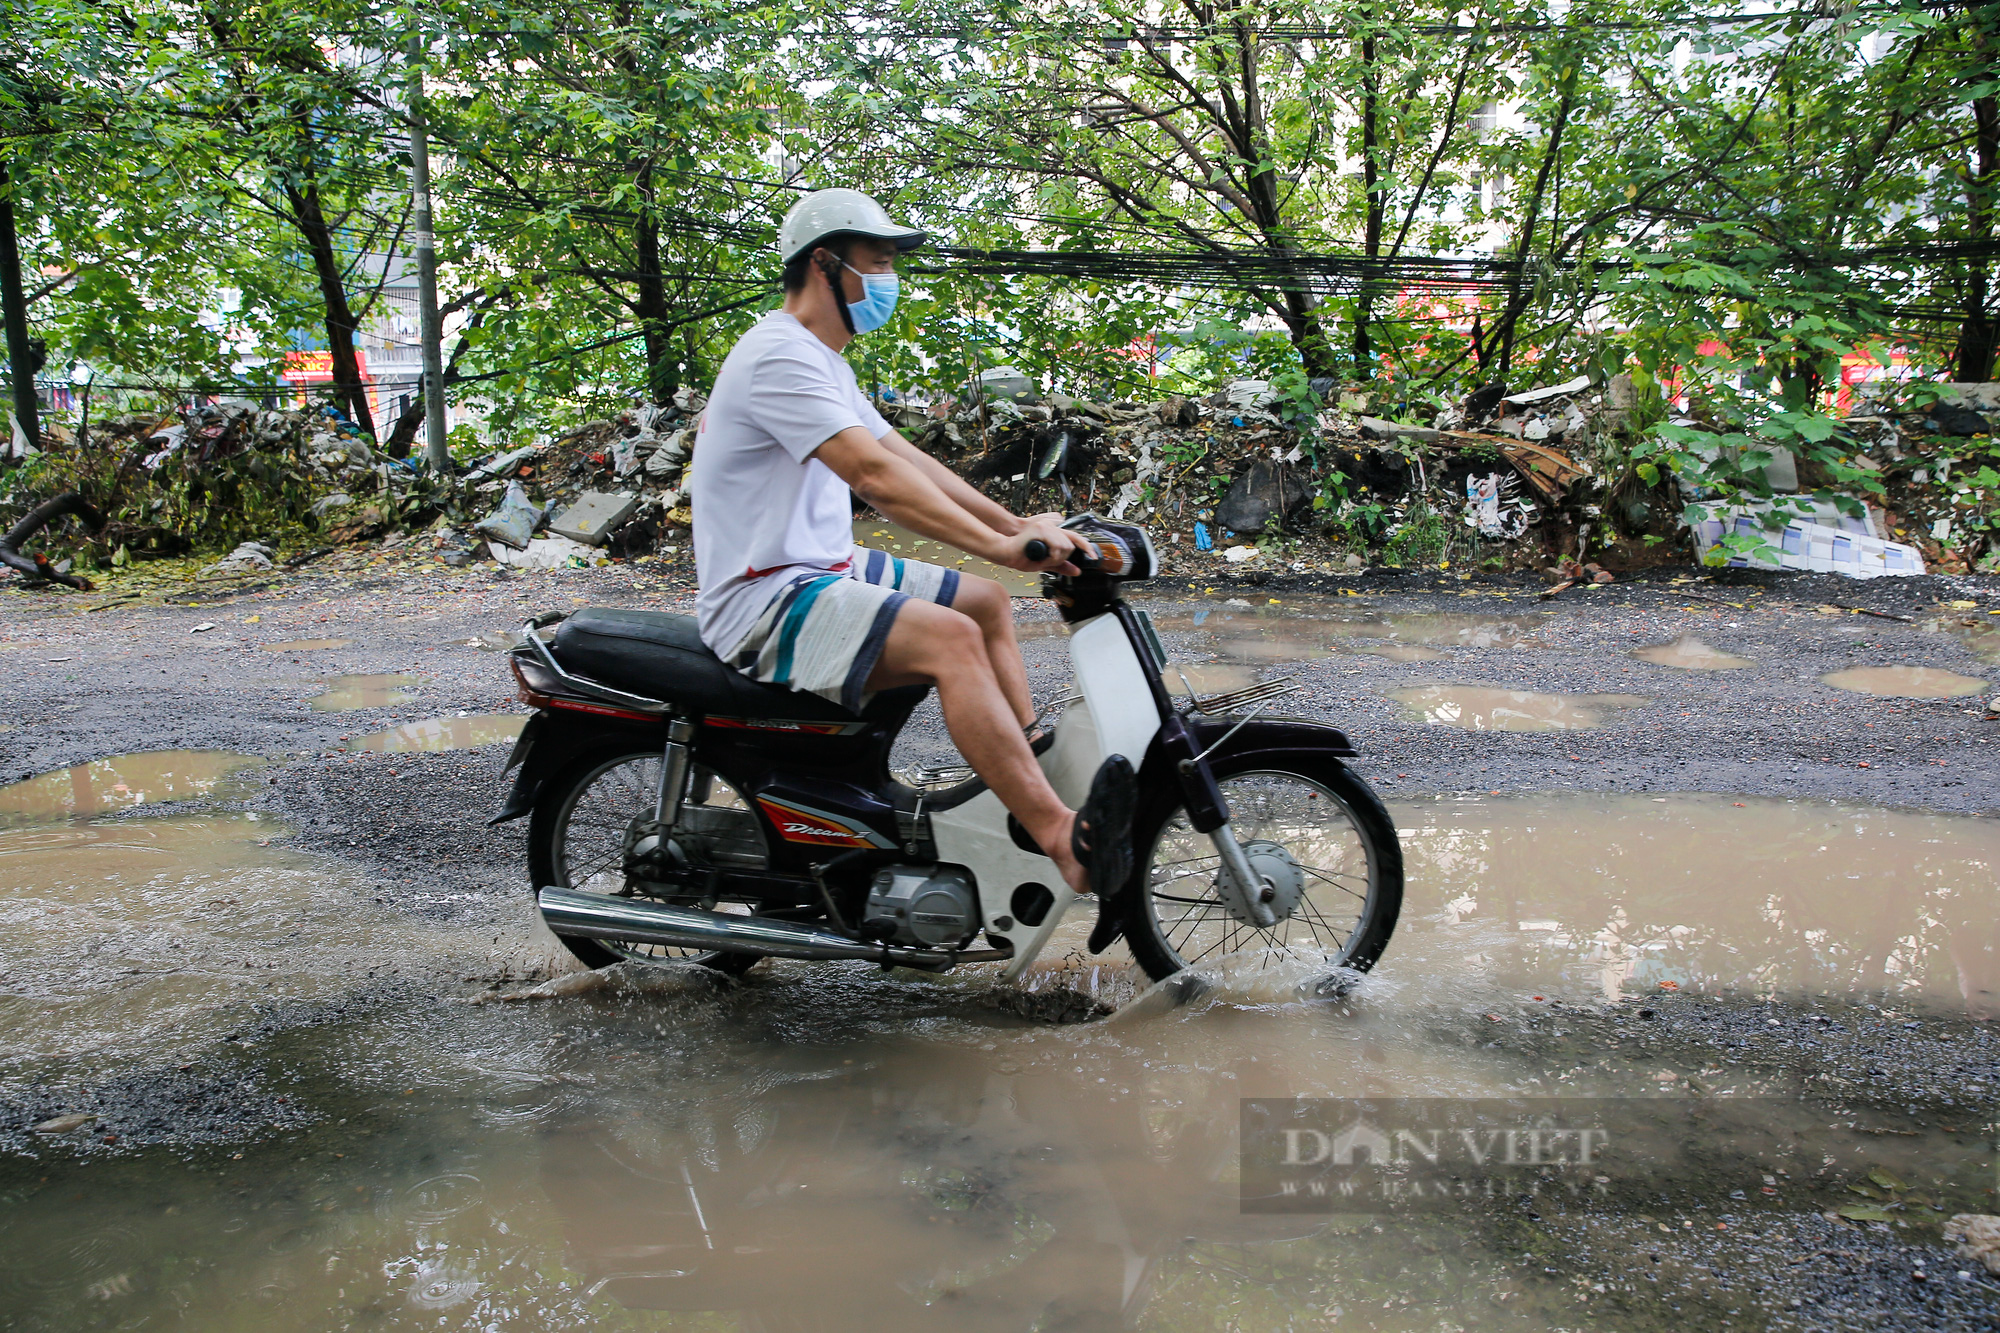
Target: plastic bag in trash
514, 522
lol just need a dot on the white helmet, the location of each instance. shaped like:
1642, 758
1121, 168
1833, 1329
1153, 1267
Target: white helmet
825, 213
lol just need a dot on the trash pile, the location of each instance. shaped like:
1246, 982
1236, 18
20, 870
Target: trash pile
1940, 470
237, 478
1938, 509
610, 488
1247, 478
1242, 478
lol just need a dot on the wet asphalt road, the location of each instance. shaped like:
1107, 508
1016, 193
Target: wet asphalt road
82, 684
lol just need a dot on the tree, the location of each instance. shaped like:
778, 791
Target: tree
606, 174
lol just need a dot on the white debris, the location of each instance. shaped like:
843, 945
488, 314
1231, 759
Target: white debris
548, 553
246, 557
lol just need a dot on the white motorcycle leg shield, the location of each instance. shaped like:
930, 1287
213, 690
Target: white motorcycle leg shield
1117, 716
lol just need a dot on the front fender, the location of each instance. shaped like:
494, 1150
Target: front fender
1276, 737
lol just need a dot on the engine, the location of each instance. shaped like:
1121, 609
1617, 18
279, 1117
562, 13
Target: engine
934, 907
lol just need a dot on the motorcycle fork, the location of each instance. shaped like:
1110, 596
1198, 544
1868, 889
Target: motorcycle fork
673, 774
647, 845
1208, 810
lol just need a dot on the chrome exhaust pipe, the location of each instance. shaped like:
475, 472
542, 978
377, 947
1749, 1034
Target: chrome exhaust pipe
597, 916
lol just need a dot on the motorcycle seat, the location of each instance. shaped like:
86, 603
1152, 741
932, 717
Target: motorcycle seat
660, 654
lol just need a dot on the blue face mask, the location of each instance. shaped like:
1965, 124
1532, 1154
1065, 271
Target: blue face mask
878, 300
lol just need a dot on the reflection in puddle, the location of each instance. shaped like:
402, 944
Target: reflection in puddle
1294, 628
827, 1148
345, 693
1691, 654
495, 641
895, 540
1207, 678
1450, 630
305, 645
1906, 682
1479, 708
123, 780
445, 733
1622, 893
1980, 634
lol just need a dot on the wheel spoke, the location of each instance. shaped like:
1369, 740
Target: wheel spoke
591, 832
1316, 827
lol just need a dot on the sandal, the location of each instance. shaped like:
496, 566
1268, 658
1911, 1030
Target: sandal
1102, 842
1040, 738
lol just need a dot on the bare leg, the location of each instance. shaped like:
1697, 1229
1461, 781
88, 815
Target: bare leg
993, 611
935, 645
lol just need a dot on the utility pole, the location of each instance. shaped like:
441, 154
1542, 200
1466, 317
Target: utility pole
20, 356
437, 454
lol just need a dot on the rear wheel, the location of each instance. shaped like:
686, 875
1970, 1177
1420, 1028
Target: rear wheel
1339, 855
587, 816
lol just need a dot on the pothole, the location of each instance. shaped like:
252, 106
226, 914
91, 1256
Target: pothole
348, 693
837, 1148
899, 543
1610, 895
305, 645
1691, 654
149, 777
153, 937
1906, 682
444, 733
1482, 708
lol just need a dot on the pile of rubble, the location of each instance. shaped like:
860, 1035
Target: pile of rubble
1527, 478
606, 488
1239, 476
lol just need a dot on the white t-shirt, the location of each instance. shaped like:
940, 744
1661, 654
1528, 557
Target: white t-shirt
765, 514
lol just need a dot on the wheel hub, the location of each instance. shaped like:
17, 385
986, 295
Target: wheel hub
1281, 884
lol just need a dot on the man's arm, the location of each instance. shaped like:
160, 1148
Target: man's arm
1002, 520
908, 492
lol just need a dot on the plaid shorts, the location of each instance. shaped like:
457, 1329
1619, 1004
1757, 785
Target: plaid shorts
824, 633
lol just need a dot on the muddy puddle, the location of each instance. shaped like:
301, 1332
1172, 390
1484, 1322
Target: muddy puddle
305, 645
1691, 654
1403, 652
1616, 895
1906, 682
1225, 647
831, 1148
1276, 629
348, 693
1481, 708
137, 941
1450, 631
444, 733
1980, 633
893, 539
152, 777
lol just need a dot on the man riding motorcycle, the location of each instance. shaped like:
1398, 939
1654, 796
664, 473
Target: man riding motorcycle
786, 596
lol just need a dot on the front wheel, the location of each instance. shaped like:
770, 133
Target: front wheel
1331, 827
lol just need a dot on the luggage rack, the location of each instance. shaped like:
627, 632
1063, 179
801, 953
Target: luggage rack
1215, 705
533, 643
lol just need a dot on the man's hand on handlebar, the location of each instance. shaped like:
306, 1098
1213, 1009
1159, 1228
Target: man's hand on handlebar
1044, 546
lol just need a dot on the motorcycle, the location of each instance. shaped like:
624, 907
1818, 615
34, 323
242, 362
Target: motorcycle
680, 811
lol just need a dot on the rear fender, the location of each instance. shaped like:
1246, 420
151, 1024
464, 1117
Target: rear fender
550, 741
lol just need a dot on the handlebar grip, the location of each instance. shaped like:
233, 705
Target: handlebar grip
1037, 550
